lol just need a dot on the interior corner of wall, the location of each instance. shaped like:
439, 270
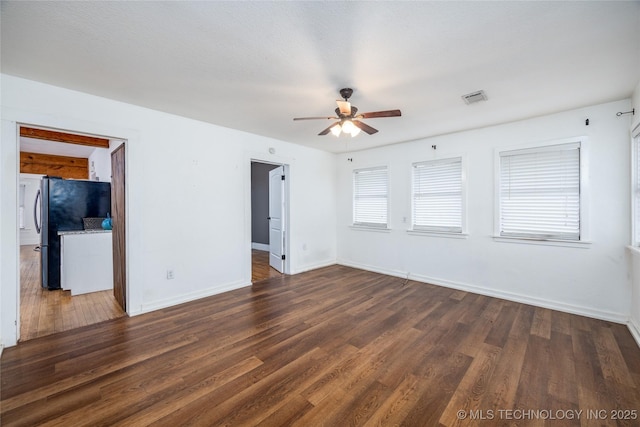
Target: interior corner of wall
634, 328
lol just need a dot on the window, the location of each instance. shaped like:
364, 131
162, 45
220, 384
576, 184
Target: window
636, 186
21, 197
370, 190
540, 192
437, 196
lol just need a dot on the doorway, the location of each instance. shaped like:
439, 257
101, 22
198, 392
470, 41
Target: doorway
71, 156
269, 220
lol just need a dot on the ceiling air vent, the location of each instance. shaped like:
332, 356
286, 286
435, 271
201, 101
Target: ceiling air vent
473, 97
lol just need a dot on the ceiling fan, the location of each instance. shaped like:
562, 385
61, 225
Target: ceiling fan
349, 119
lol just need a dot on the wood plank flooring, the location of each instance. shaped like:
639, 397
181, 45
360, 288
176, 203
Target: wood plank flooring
331, 347
44, 312
260, 268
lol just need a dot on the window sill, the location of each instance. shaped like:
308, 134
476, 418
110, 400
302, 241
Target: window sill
445, 234
365, 228
563, 243
634, 249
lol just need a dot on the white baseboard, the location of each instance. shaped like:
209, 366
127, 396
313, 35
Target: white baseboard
634, 328
27, 241
395, 273
181, 299
260, 246
315, 266
525, 299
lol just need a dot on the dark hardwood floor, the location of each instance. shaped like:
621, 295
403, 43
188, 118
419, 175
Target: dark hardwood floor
260, 268
331, 347
44, 312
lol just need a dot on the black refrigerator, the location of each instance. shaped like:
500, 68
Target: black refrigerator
60, 205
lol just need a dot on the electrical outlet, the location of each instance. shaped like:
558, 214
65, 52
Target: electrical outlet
170, 274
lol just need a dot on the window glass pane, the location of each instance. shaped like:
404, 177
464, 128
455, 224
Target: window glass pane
540, 193
437, 195
370, 197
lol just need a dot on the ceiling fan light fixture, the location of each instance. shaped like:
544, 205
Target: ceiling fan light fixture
349, 118
348, 126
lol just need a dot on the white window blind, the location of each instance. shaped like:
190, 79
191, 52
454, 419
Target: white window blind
636, 190
437, 195
540, 192
370, 191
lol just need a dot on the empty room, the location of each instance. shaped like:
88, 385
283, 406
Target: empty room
320, 213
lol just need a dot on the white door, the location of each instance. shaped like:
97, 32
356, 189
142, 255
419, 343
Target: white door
276, 218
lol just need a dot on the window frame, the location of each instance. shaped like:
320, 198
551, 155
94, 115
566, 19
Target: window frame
463, 198
584, 228
369, 225
635, 187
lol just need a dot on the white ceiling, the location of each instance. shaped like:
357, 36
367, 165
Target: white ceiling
32, 145
254, 66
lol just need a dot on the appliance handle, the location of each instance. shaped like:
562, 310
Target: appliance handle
35, 212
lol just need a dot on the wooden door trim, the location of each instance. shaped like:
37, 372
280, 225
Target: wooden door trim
119, 233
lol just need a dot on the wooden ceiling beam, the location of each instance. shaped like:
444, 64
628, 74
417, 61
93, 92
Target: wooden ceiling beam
69, 138
48, 164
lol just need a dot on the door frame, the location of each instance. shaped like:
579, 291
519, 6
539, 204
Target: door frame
120, 140
270, 160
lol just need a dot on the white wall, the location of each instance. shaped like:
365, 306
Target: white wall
591, 281
100, 165
188, 196
8, 232
29, 234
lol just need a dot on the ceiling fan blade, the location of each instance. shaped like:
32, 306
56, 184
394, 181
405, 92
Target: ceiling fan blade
365, 127
376, 114
316, 118
344, 107
327, 130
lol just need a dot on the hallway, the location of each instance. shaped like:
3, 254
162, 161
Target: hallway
260, 268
